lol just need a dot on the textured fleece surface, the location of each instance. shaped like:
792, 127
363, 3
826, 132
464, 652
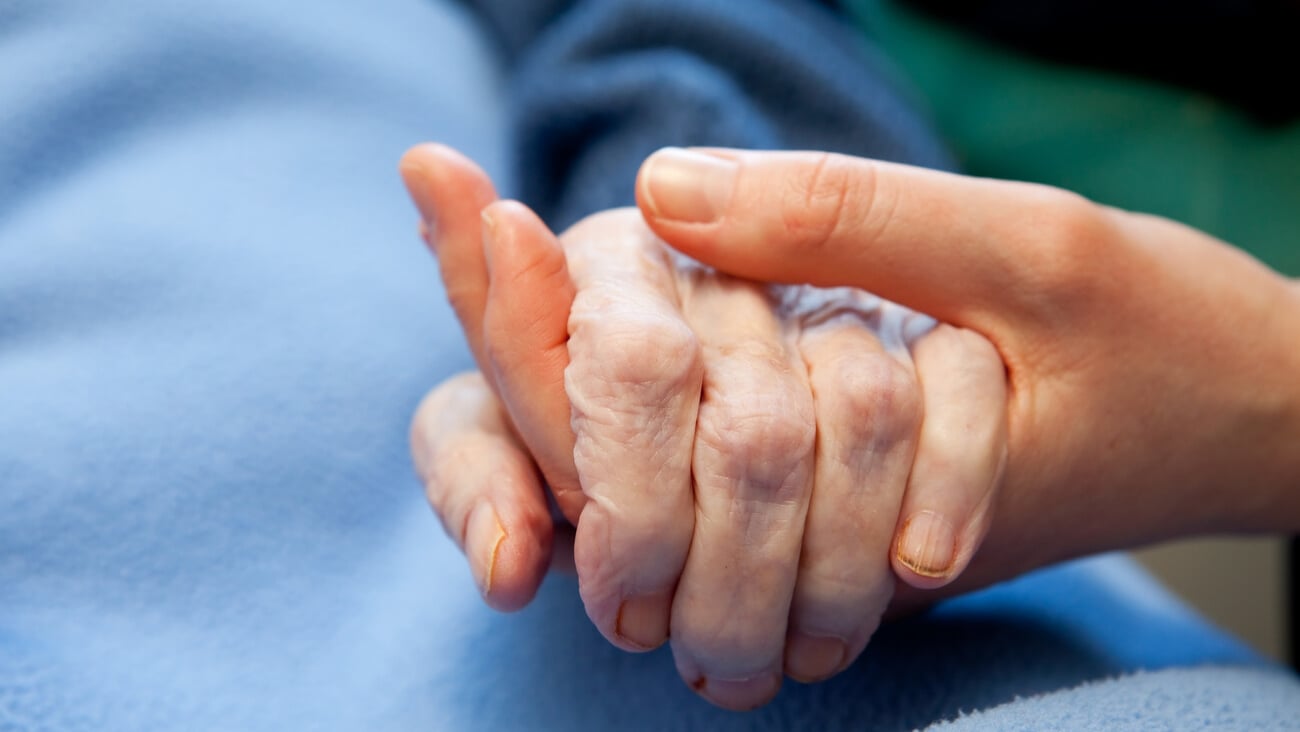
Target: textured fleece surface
215, 320
1184, 699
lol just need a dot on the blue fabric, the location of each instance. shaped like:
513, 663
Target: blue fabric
215, 321
607, 83
1172, 699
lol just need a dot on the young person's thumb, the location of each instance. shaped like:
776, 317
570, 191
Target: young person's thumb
973, 252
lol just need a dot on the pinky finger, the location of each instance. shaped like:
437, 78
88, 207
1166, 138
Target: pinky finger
484, 488
959, 459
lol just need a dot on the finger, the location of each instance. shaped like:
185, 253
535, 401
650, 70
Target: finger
868, 417
525, 340
969, 251
450, 191
634, 382
947, 508
753, 471
484, 489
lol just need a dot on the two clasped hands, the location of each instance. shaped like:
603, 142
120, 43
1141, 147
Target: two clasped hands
762, 443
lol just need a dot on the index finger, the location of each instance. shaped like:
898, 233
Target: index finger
634, 382
450, 191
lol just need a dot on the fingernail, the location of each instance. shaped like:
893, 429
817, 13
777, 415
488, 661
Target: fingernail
484, 535
643, 621
810, 658
687, 186
928, 544
739, 694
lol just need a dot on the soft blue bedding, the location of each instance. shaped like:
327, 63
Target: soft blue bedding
216, 319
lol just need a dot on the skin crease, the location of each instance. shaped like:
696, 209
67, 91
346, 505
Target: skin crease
1151, 368
658, 345
469, 454
1170, 408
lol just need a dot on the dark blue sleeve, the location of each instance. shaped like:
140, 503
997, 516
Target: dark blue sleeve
597, 85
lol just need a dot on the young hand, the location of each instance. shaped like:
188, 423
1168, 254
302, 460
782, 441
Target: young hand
1153, 370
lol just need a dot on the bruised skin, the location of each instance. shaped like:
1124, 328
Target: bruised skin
742, 450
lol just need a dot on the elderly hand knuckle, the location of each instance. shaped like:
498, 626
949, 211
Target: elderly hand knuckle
764, 427
875, 394
654, 353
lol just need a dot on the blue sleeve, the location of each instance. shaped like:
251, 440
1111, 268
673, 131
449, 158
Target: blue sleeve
597, 85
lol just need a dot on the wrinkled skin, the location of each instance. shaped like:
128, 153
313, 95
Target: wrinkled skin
1150, 387
740, 456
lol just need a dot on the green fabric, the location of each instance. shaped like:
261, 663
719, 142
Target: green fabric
1120, 141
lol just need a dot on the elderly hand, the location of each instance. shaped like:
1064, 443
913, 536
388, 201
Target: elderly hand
737, 457
1154, 372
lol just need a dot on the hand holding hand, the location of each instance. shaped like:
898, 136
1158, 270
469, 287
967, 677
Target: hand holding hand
744, 451
1153, 386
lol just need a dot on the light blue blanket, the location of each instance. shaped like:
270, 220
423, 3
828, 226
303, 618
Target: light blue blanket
216, 319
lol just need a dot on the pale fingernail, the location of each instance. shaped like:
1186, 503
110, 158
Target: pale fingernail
739, 694
643, 621
484, 535
928, 544
689, 187
810, 658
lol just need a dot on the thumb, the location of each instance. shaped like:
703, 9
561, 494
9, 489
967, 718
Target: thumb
974, 252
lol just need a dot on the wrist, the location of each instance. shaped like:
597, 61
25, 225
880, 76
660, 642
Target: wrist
1273, 496
1289, 444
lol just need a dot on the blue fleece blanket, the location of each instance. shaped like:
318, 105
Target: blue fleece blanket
215, 321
